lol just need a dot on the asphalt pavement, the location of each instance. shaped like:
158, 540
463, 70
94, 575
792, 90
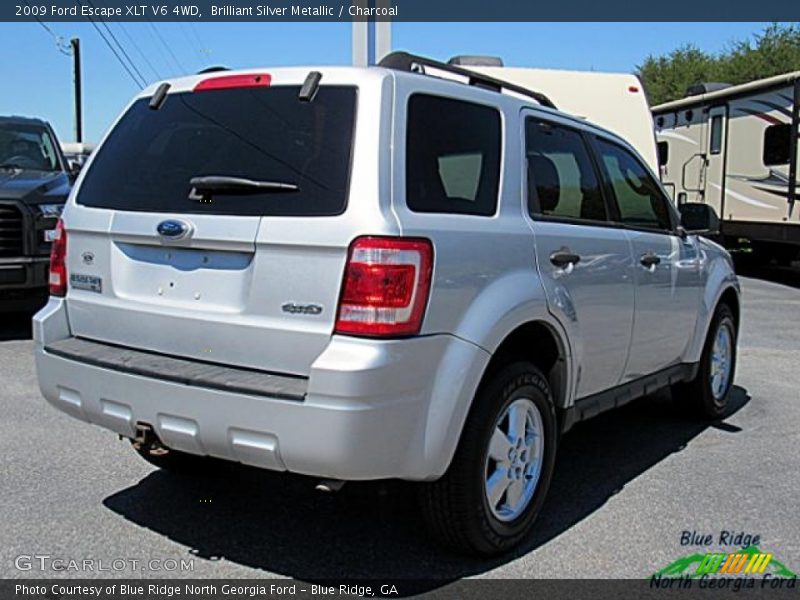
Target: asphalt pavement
627, 485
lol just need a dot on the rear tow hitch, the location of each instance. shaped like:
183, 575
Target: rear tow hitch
146, 440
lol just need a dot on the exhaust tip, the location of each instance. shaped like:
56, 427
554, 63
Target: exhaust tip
330, 485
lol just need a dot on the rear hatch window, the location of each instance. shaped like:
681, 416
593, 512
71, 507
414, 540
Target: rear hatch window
258, 134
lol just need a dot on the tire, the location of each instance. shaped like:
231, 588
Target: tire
457, 506
708, 394
174, 461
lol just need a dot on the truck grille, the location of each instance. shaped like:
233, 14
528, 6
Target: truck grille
10, 231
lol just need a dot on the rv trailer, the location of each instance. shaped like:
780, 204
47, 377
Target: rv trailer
616, 101
735, 148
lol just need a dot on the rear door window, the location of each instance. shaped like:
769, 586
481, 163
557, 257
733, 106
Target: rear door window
261, 134
452, 156
562, 181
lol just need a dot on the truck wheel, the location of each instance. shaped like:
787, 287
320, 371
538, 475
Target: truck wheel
173, 461
494, 489
708, 393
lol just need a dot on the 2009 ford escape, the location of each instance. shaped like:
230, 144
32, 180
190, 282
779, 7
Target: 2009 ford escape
375, 273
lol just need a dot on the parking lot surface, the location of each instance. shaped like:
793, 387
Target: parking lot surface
627, 485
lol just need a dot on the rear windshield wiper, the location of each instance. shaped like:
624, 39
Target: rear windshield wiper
205, 187
9, 166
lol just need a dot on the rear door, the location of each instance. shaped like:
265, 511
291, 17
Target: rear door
584, 260
231, 275
716, 142
666, 265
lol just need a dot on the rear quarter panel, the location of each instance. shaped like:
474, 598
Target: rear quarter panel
485, 281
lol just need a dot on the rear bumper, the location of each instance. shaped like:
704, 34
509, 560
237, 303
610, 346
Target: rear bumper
372, 410
23, 282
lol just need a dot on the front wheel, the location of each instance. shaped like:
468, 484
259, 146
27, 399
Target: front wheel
494, 489
708, 394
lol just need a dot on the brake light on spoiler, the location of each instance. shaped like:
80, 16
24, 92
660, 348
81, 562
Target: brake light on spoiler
386, 286
227, 82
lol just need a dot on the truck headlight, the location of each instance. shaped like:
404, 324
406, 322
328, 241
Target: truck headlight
51, 210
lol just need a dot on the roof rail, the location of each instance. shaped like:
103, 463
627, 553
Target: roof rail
403, 61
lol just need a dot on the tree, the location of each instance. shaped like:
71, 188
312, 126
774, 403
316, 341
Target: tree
776, 50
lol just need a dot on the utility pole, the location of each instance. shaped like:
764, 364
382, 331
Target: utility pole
75, 43
371, 38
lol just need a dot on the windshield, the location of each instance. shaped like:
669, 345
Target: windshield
27, 147
259, 134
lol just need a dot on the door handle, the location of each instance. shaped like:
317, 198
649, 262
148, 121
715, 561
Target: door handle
649, 260
563, 257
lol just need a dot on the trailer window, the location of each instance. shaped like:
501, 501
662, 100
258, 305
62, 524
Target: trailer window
715, 144
452, 156
777, 141
663, 153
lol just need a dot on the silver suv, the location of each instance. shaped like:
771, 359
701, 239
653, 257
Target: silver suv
360, 274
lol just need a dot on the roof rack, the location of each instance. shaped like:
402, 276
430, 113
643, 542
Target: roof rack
403, 61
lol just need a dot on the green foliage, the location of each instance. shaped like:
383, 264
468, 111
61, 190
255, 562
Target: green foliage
776, 50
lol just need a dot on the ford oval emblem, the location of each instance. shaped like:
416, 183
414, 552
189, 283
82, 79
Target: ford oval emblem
173, 229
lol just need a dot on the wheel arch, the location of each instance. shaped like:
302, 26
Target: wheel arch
535, 341
539, 343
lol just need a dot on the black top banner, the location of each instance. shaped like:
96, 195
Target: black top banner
399, 10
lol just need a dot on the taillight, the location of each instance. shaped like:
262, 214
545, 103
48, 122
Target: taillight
58, 266
386, 285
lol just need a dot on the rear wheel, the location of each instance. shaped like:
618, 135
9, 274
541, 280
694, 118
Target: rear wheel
708, 394
496, 485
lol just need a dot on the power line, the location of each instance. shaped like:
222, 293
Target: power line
116, 54
124, 53
190, 44
202, 45
200, 42
139, 50
61, 45
181, 68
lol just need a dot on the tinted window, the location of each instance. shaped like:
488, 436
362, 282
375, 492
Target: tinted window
777, 144
715, 144
27, 147
639, 199
452, 156
263, 134
561, 178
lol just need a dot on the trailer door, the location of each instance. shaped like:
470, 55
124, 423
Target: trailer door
716, 144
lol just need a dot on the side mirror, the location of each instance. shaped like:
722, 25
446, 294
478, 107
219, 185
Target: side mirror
699, 218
